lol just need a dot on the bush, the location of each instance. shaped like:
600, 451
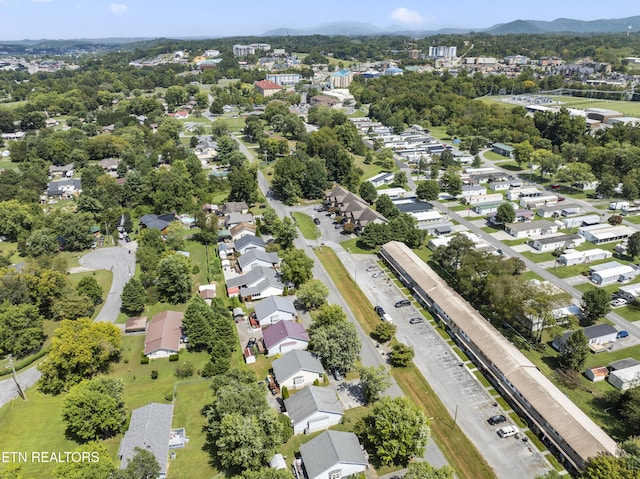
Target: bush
174, 357
316, 382
144, 360
195, 269
285, 392
185, 370
287, 430
209, 370
285, 291
154, 374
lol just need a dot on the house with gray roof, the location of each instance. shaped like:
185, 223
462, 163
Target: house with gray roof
274, 309
313, 409
64, 189
235, 207
333, 454
258, 283
597, 334
249, 242
149, 429
234, 219
297, 369
255, 258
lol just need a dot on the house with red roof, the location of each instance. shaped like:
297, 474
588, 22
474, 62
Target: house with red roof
267, 88
284, 336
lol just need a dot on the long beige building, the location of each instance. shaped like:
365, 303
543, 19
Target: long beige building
546, 408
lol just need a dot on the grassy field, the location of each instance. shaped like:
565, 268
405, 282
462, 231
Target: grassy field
354, 245
449, 438
627, 108
306, 225
493, 156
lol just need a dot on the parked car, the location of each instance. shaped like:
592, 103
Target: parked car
507, 431
337, 375
496, 419
337, 226
371, 268
379, 310
377, 275
622, 334
561, 198
316, 221
402, 303
618, 302
416, 321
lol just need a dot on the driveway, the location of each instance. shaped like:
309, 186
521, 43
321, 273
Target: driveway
26, 379
121, 261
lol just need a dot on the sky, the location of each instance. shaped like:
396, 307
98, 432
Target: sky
73, 19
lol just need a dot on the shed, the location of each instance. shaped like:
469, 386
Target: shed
136, 325
238, 314
278, 462
623, 363
597, 374
502, 149
626, 378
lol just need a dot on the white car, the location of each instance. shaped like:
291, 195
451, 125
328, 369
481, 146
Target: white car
618, 302
507, 431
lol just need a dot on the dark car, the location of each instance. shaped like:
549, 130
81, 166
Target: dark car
402, 303
496, 419
316, 221
337, 375
379, 310
416, 321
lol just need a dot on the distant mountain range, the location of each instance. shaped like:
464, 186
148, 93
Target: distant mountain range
559, 25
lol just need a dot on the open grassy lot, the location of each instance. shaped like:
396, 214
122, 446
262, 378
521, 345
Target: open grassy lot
493, 156
627, 108
449, 438
306, 225
538, 257
354, 245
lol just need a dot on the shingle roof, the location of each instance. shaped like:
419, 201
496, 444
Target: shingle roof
247, 240
273, 304
294, 361
164, 331
311, 400
149, 429
331, 448
257, 255
252, 277
267, 85
282, 330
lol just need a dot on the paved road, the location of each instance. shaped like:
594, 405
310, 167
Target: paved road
9, 390
121, 261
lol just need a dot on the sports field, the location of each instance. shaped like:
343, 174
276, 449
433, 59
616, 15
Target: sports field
627, 108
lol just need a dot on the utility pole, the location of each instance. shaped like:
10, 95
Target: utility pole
15, 379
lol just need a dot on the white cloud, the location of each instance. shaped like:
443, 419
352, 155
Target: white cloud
118, 8
404, 15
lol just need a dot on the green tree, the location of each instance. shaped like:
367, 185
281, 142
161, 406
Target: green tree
629, 189
337, 345
296, 266
575, 351
374, 381
368, 192
451, 181
88, 346
424, 470
73, 229
401, 355
523, 153
396, 431
21, 329
94, 409
174, 279
506, 213
428, 190
385, 207
400, 179
328, 314
312, 294
576, 174
384, 331
607, 185
285, 232
143, 465
197, 324
595, 305
134, 297
244, 184
75, 305
89, 287
633, 244
100, 465
42, 242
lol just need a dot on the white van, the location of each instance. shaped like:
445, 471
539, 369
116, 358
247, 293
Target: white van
507, 431
619, 205
387, 317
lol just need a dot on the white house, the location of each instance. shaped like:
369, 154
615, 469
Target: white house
164, 334
557, 242
533, 228
274, 309
605, 233
284, 336
500, 185
558, 209
473, 190
629, 292
578, 221
626, 378
613, 272
527, 192
483, 199
394, 193
236, 218
571, 257
313, 409
255, 258
597, 335
537, 201
333, 455
297, 369
249, 242
381, 179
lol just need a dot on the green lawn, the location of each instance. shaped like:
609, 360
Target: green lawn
629, 313
493, 156
515, 242
439, 132
538, 257
8, 164
307, 227
104, 279
355, 246
369, 170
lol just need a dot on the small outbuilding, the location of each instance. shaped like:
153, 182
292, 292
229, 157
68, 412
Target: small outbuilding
136, 325
626, 378
596, 374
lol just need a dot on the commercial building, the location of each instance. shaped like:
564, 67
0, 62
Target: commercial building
284, 79
547, 410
